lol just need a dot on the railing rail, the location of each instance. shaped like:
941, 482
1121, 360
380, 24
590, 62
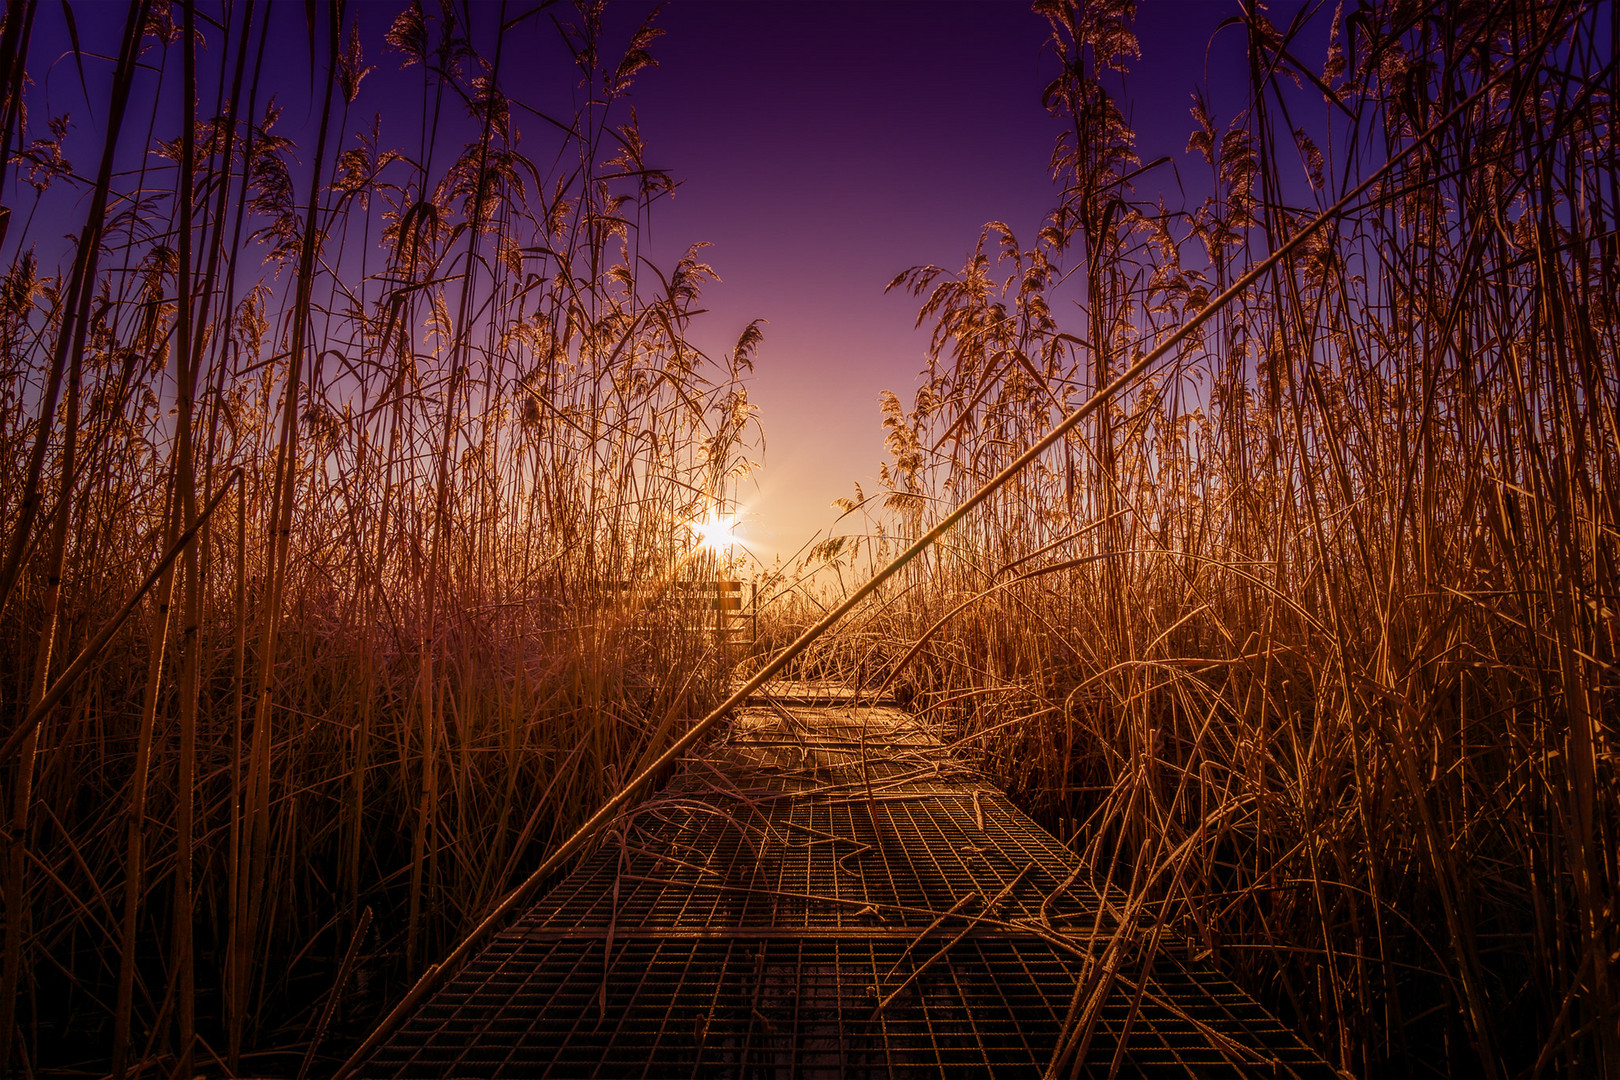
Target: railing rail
725, 607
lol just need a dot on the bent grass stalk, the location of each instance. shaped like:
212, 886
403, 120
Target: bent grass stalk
1361, 532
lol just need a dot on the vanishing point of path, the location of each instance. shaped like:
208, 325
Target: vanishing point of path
822, 891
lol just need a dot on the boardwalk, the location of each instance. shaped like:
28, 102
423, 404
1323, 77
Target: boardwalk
823, 892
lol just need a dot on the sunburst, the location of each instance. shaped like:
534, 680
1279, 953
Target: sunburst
715, 532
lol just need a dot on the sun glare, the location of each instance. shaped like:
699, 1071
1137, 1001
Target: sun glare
715, 531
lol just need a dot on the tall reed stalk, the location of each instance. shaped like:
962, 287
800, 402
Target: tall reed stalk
412, 434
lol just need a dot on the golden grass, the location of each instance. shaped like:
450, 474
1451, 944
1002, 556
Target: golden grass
419, 430
1311, 637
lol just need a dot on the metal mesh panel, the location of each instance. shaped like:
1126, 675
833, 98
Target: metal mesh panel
824, 892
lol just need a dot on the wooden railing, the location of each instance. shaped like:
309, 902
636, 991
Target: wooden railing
725, 608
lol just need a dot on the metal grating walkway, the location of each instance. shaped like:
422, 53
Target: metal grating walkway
823, 892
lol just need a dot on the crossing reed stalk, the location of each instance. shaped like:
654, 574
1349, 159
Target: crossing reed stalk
1348, 629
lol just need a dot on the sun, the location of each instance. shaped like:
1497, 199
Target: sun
715, 531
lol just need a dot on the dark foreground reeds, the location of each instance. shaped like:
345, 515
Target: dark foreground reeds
344, 462
1308, 640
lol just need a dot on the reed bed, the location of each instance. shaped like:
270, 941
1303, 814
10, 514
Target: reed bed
1308, 640
345, 469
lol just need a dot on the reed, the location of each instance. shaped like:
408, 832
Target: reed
344, 476
1311, 637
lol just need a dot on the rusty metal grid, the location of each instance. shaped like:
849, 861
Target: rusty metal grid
749, 920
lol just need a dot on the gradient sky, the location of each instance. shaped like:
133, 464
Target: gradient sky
823, 147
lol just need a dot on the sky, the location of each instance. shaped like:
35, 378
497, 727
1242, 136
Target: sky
823, 148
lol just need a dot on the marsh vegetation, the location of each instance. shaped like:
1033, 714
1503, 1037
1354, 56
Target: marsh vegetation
410, 414
345, 466
1309, 635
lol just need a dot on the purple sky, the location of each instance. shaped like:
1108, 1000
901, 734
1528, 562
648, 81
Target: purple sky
824, 147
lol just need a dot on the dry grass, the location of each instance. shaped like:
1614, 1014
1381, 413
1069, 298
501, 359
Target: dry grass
421, 429
1313, 633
